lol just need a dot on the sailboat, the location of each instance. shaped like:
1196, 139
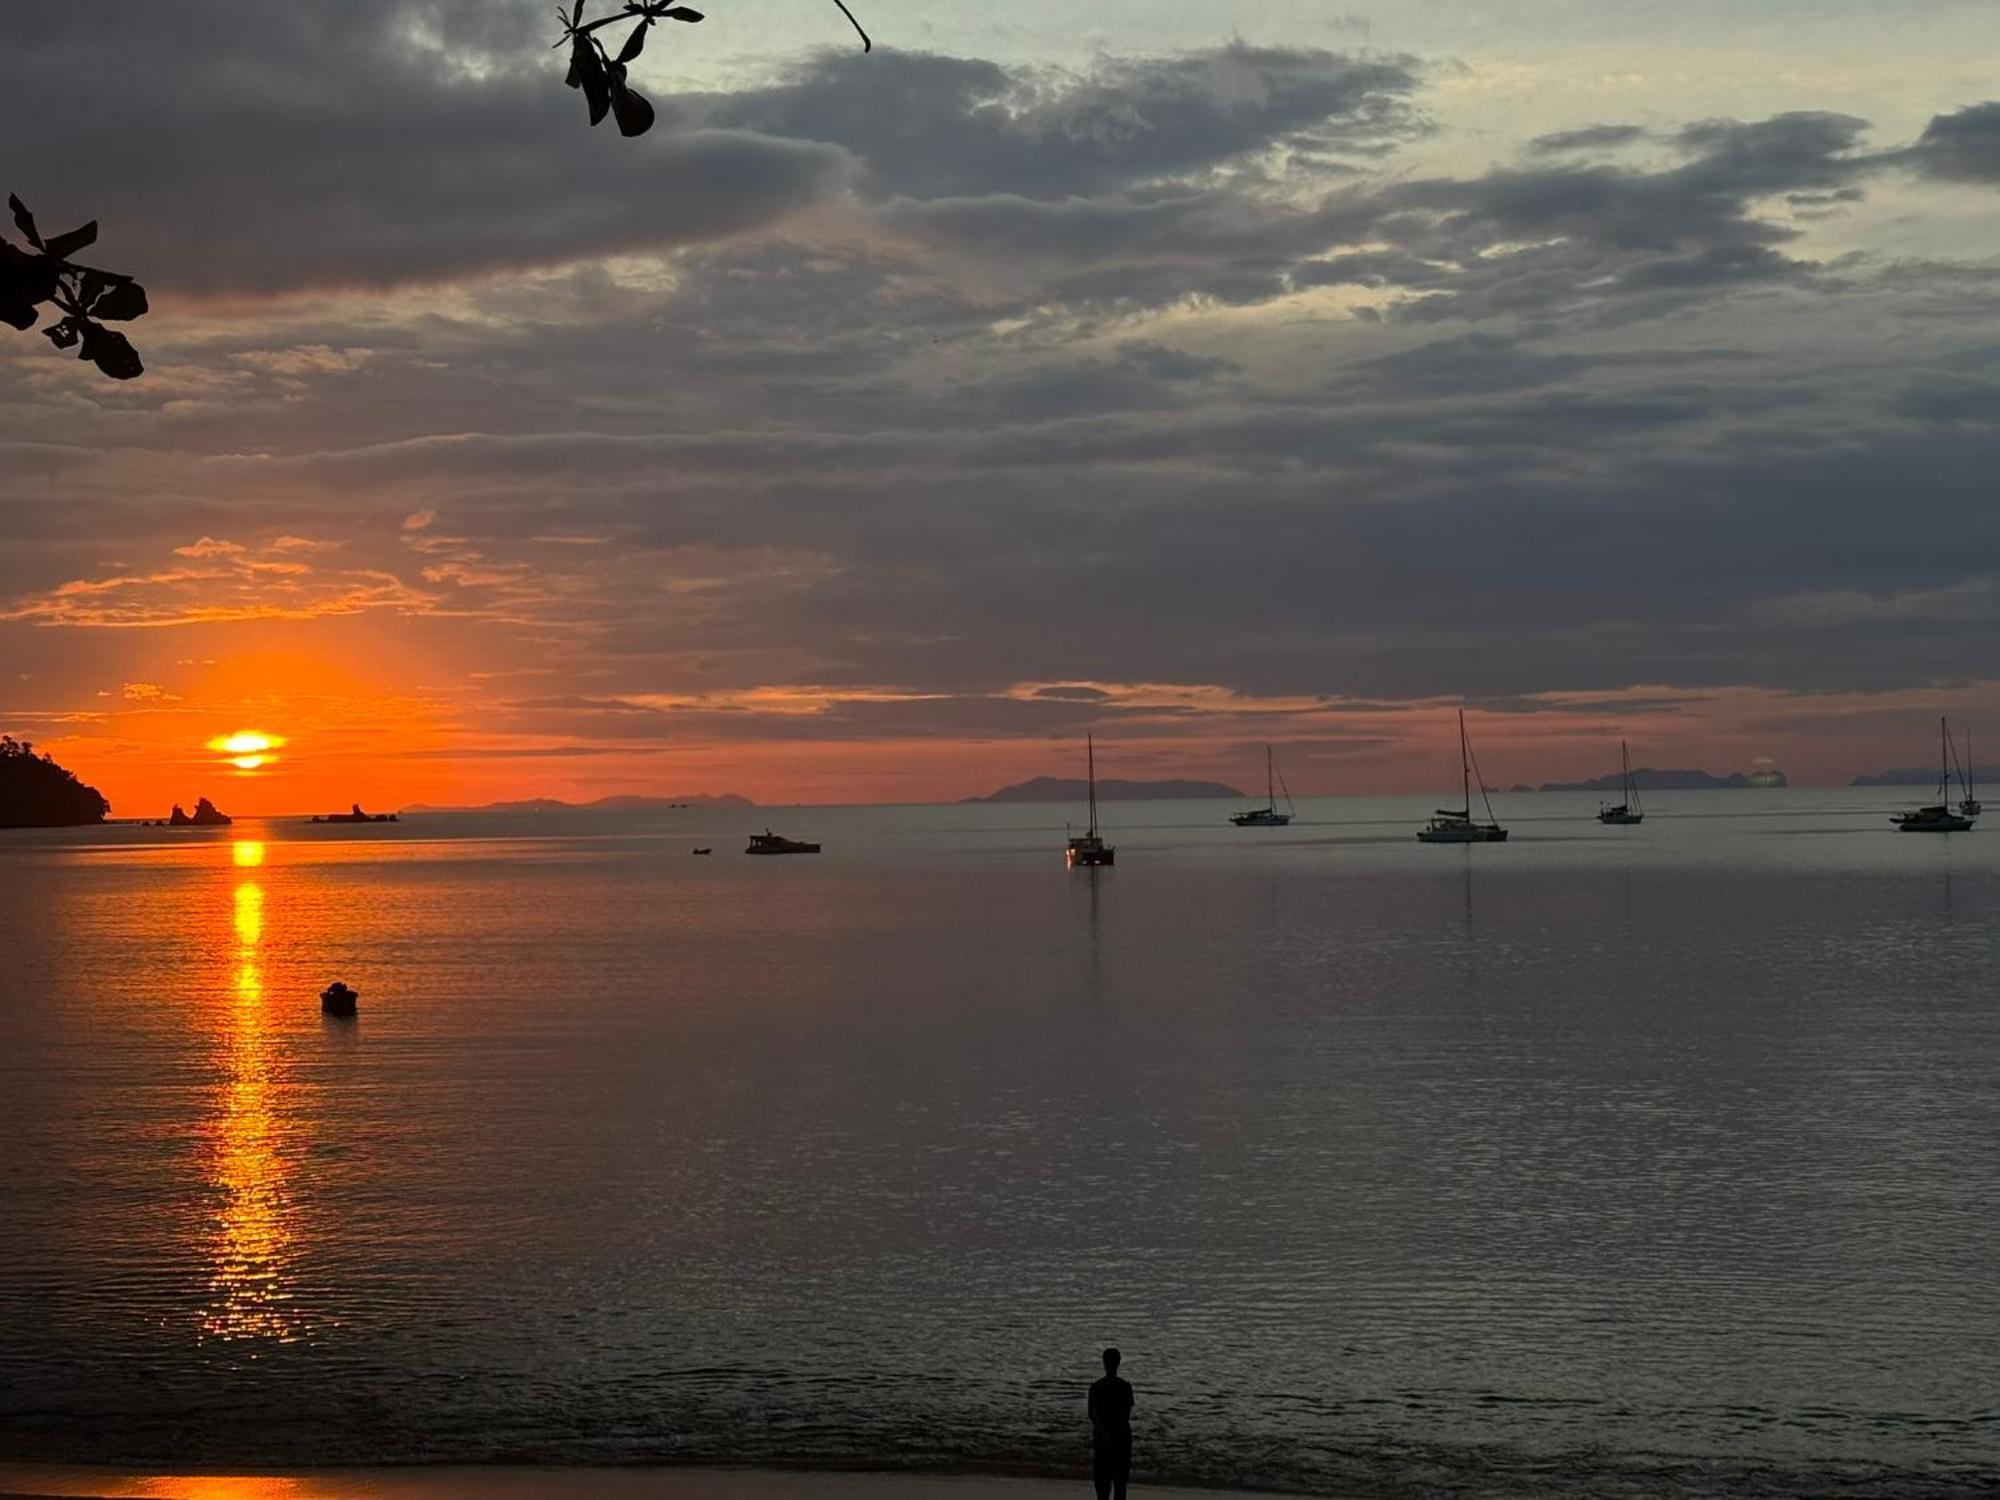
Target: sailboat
1968, 804
1628, 811
1938, 817
1454, 825
1268, 815
1087, 848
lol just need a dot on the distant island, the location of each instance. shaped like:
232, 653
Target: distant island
602, 804
35, 792
1922, 776
206, 815
355, 815
1649, 780
1069, 789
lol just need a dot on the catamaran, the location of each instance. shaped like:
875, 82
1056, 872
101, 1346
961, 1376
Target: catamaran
1087, 848
1454, 825
1938, 817
1628, 811
1268, 815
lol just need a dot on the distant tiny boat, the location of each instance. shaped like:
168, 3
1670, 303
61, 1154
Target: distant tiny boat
1628, 811
1454, 825
704, 851
768, 842
1268, 815
1088, 848
338, 1000
1968, 804
1938, 816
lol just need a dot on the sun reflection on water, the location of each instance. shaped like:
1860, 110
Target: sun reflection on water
250, 1241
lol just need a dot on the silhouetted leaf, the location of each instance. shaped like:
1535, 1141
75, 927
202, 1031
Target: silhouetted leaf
635, 115
576, 14
588, 66
19, 315
121, 302
635, 42
63, 246
683, 13
111, 352
25, 220
62, 334
24, 277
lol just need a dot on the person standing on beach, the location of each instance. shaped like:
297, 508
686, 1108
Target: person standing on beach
1111, 1431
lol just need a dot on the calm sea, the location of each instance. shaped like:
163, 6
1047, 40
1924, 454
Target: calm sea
1650, 1161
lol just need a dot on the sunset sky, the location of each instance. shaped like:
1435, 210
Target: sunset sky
877, 424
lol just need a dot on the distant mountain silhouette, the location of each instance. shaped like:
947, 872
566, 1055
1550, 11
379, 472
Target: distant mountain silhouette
1069, 789
35, 792
625, 803
1923, 776
1649, 780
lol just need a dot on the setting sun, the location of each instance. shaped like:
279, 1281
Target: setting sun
247, 749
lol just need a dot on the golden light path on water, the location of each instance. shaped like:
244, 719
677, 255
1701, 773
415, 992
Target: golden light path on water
251, 1236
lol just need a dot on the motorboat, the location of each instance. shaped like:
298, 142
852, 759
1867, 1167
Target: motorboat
768, 842
1088, 848
1454, 825
338, 1000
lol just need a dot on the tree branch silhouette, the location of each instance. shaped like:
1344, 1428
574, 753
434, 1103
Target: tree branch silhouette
85, 296
601, 75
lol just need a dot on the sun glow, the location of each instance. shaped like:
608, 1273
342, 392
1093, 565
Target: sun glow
247, 749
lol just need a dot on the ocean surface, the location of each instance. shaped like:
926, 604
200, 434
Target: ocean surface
1651, 1161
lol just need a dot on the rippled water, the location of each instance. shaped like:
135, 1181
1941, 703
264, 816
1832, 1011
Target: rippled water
1628, 1161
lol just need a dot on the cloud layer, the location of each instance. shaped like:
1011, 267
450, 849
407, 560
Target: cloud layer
913, 396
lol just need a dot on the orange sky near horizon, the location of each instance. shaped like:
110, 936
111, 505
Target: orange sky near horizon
343, 733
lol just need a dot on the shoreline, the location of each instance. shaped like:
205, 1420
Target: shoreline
556, 1482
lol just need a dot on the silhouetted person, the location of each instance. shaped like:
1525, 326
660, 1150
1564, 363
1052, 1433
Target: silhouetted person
1111, 1431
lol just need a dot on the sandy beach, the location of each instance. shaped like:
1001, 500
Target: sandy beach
35, 1481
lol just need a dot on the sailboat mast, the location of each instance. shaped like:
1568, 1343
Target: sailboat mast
1944, 759
1270, 792
1464, 765
1090, 750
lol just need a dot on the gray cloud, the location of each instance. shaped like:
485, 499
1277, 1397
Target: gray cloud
1588, 138
1963, 146
950, 376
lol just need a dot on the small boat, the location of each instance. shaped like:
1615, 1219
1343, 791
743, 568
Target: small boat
338, 1000
1268, 815
1968, 804
768, 842
1938, 816
1628, 811
700, 849
1088, 848
1454, 825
